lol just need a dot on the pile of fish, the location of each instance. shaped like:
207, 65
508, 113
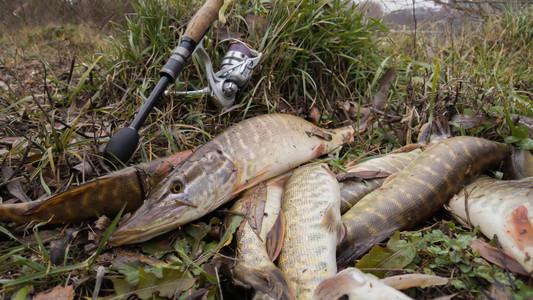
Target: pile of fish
263, 162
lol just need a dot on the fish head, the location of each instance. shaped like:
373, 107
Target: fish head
196, 187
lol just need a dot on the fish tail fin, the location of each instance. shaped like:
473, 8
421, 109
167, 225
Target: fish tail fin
344, 134
269, 280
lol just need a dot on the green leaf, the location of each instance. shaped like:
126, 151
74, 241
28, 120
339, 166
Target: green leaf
458, 284
164, 282
131, 270
522, 131
436, 236
22, 293
526, 144
511, 139
391, 257
157, 247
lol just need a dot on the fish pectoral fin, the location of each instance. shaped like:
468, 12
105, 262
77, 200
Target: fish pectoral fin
520, 228
332, 221
274, 239
260, 176
280, 181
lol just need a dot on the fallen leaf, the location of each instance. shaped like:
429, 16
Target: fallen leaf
14, 187
402, 282
166, 284
58, 293
380, 99
386, 258
492, 254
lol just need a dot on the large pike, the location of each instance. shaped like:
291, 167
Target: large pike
103, 196
262, 226
355, 188
311, 205
417, 192
240, 157
502, 208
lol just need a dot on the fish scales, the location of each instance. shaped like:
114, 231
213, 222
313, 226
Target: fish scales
417, 192
261, 206
354, 190
104, 196
228, 164
503, 208
311, 207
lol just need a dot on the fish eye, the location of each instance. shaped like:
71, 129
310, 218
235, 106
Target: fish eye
177, 187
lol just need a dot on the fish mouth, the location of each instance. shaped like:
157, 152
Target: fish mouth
125, 235
146, 224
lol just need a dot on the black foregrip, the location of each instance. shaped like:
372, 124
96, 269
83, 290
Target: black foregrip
178, 59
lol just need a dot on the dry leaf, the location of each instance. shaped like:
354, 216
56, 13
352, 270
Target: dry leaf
58, 293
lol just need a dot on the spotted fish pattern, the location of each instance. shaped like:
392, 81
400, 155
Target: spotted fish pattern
242, 156
503, 208
417, 192
102, 196
354, 190
311, 206
261, 207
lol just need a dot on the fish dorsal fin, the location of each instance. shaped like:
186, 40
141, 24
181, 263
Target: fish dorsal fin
274, 240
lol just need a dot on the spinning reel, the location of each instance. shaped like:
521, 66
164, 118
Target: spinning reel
236, 69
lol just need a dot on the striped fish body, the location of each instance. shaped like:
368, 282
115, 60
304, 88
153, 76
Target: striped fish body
310, 204
501, 208
242, 156
417, 192
103, 196
261, 207
354, 190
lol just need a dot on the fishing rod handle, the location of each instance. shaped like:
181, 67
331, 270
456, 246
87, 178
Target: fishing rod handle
202, 20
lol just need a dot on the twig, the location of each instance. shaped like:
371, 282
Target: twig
502, 257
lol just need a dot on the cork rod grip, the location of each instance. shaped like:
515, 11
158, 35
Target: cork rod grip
203, 19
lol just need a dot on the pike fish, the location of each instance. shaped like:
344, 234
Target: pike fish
503, 208
353, 190
105, 195
240, 157
311, 205
362, 179
417, 192
263, 225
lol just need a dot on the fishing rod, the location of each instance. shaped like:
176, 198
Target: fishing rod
236, 69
